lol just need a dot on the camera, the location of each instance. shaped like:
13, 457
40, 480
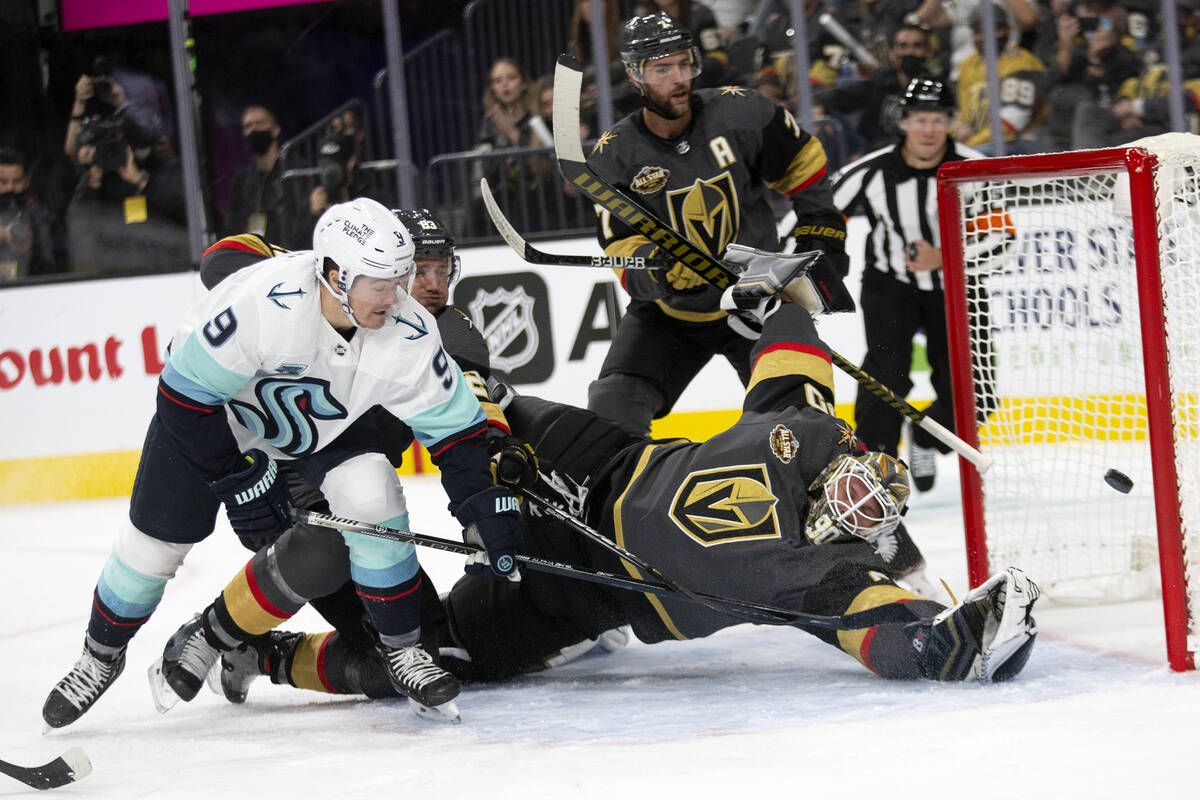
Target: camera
108, 137
333, 158
100, 103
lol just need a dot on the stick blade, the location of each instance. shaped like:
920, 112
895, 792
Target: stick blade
568, 80
78, 762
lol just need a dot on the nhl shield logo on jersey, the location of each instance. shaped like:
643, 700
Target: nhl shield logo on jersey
783, 443
650, 179
729, 504
706, 212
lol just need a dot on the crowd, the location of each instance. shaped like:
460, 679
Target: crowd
1072, 74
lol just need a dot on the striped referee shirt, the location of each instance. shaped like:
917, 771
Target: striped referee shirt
900, 203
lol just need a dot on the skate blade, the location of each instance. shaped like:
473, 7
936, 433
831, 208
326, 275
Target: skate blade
447, 712
160, 691
213, 680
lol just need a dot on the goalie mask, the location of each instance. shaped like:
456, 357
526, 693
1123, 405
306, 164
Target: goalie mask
655, 36
860, 495
372, 250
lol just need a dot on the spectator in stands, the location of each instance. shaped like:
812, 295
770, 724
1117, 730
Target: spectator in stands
25, 225
256, 202
1024, 81
508, 107
876, 98
339, 179
1142, 106
1092, 63
1023, 18
127, 211
581, 47
699, 19
826, 56
510, 120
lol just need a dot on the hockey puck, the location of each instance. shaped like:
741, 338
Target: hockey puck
1118, 480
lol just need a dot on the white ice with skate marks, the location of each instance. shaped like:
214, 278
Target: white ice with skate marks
1096, 713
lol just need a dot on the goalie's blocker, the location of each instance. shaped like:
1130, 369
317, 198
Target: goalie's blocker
806, 279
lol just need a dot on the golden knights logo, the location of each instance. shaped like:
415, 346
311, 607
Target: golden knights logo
706, 212
728, 504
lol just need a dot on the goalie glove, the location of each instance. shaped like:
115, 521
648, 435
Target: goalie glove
802, 278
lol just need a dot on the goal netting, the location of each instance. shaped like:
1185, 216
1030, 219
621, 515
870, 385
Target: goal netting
1073, 303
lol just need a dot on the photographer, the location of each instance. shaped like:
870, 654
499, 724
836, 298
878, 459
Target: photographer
127, 211
337, 157
25, 238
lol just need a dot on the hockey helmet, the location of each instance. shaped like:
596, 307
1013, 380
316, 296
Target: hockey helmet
655, 36
860, 495
364, 240
925, 94
430, 238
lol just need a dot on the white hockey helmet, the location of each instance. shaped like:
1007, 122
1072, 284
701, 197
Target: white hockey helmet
365, 240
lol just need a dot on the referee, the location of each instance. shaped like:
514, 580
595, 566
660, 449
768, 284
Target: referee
895, 188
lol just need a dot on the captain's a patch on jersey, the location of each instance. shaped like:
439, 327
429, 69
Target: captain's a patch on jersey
726, 504
650, 179
784, 443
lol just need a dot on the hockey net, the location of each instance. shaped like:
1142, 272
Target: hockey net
1073, 306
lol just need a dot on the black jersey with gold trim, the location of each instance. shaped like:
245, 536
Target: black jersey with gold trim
709, 184
726, 516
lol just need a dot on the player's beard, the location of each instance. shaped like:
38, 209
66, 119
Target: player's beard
660, 103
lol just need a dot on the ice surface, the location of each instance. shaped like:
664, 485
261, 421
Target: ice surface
1096, 714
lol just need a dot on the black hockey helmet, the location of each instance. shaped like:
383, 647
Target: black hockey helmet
926, 94
430, 237
655, 36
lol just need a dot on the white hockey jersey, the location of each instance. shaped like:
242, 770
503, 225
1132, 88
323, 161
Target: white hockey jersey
291, 383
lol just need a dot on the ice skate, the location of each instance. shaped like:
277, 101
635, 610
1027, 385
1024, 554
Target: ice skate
81, 687
429, 688
270, 654
922, 461
186, 661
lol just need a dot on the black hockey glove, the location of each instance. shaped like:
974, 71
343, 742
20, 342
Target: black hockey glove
491, 519
257, 503
830, 239
513, 462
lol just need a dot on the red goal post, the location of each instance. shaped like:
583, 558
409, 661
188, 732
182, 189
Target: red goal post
1072, 287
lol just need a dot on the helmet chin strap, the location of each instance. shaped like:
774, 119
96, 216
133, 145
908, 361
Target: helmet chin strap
343, 301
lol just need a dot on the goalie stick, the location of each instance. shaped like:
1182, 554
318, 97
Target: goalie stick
750, 612
71, 766
568, 78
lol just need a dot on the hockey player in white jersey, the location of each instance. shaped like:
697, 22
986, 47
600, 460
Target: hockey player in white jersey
283, 361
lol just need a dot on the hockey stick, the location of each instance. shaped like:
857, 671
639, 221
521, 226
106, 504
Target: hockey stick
71, 766
568, 78
534, 256
764, 614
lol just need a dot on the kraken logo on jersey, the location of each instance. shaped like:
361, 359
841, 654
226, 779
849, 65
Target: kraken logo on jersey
706, 212
287, 413
728, 504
